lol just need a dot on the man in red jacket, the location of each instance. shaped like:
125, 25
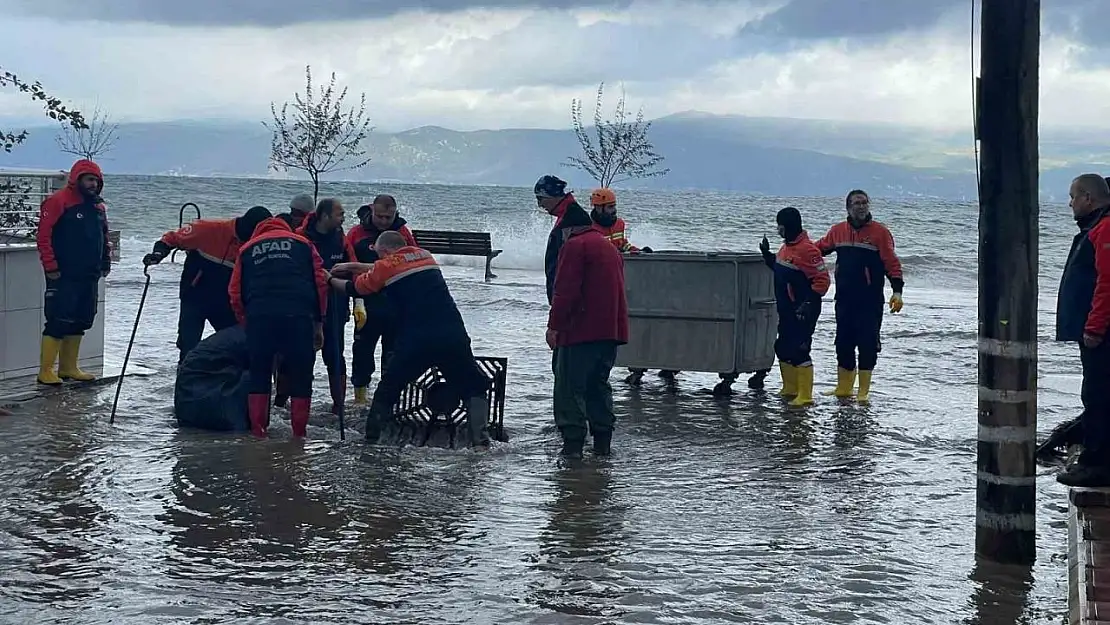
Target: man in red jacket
279, 291
588, 320
75, 254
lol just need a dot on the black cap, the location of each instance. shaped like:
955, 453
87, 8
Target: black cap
245, 225
791, 221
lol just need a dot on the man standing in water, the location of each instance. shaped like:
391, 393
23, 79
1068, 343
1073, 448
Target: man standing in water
376, 321
324, 229
864, 256
75, 253
552, 197
801, 280
279, 292
212, 245
1083, 316
588, 320
430, 332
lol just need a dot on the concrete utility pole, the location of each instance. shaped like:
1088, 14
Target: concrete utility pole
1005, 524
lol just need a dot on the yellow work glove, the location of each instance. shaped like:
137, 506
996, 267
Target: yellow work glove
360, 314
896, 303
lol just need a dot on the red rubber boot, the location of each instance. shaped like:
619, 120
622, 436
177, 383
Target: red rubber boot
258, 409
299, 408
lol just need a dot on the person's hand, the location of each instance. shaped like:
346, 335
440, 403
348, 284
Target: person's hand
360, 314
765, 246
318, 337
552, 335
896, 303
1091, 341
802, 311
53, 275
153, 258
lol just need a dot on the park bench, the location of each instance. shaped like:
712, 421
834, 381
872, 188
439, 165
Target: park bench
458, 244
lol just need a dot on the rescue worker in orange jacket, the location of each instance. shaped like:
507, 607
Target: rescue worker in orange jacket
279, 292
606, 221
864, 258
324, 228
211, 247
801, 279
73, 246
430, 332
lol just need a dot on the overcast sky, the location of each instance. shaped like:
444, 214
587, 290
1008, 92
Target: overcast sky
501, 63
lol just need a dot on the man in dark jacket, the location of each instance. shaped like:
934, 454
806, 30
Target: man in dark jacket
1083, 316
324, 228
430, 332
587, 321
75, 254
377, 318
212, 245
552, 197
279, 292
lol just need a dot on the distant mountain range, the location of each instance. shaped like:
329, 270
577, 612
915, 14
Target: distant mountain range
771, 156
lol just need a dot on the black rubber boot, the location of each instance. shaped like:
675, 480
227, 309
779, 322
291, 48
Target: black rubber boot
477, 420
572, 448
375, 419
602, 443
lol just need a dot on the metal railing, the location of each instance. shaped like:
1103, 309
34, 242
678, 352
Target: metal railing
21, 193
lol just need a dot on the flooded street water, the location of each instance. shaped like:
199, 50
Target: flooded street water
710, 511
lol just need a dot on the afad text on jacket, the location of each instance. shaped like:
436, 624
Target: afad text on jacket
73, 228
278, 273
417, 291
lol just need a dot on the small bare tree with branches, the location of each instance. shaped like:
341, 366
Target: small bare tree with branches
53, 106
318, 135
623, 151
97, 138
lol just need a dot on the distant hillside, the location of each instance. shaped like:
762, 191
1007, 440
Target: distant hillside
755, 155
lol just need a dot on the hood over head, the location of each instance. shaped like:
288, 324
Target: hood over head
791, 221
82, 167
272, 224
245, 225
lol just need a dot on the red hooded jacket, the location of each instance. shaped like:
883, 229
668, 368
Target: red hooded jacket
589, 303
73, 229
278, 273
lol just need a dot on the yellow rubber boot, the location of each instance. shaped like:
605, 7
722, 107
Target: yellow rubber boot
864, 395
360, 394
805, 386
67, 360
48, 355
845, 380
789, 380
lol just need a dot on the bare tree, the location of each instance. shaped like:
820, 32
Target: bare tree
318, 135
53, 107
623, 151
97, 138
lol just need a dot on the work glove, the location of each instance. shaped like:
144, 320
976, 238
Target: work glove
646, 250
153, 258
360, 314
896, 303
765, 246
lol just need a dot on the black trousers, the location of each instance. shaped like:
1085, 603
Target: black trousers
289, 337
795, 337
332, 351
583, 397
194, 313
69, 305
858, 325
1095, 419
379, 327
452, 356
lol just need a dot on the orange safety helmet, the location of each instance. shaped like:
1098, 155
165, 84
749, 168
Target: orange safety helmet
603, 196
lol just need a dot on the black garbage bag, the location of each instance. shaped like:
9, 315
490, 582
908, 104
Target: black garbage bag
212, 384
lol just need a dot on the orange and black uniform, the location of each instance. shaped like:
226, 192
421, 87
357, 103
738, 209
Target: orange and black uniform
279, 292
73, 241
333, 248
615, 233
379, 316
801, 280
1083, 307
430, 331
211, 246
864, 259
